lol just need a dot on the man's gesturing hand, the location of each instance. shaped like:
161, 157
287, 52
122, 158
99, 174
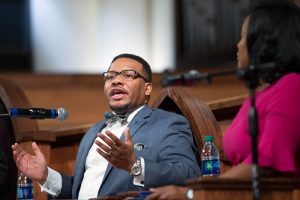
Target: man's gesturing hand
119, 154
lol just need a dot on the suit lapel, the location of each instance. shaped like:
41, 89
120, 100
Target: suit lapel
139, 119
81, 165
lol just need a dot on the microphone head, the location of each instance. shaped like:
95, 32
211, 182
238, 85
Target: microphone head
62, 114
190, 77
193, 74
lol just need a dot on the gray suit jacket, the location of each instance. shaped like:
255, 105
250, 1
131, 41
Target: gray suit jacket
169, 154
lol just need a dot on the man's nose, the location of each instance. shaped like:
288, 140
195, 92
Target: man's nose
117, 80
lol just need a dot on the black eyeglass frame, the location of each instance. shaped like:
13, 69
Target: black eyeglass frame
135, 76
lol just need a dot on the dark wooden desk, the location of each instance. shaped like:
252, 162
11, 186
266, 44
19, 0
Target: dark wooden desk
239, 189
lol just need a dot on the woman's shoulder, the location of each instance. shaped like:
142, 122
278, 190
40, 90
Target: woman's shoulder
290, 78
285, 90
289, 82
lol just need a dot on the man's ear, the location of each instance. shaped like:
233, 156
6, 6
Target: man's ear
148, 89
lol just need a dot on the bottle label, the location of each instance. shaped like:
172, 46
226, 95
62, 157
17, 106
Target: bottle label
210, 167
25, 192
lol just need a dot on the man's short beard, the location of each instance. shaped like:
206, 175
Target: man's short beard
120, 109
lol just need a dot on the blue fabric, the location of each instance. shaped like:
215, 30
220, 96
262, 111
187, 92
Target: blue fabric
169, 154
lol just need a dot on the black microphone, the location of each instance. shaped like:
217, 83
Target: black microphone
248, 72
182, 79
190, 77
39, 113
252, 73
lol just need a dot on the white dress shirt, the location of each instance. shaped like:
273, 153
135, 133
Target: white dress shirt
95, 166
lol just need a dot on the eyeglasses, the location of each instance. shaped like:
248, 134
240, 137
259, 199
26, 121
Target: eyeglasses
128, 74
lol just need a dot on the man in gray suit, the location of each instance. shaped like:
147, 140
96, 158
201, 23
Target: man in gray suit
135, 148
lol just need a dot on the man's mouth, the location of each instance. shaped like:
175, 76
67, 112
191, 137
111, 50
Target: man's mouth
118, 93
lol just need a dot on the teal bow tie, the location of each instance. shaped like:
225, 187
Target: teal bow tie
112, 118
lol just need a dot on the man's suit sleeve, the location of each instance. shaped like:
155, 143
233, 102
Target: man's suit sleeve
67, 183
176, 160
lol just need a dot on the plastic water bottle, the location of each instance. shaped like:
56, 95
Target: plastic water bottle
210, 158
25, 188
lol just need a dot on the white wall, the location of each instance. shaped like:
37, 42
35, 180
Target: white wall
162, 45
82, 36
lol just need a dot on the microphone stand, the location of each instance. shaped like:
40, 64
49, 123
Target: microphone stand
192, 76
207, 77
251, 76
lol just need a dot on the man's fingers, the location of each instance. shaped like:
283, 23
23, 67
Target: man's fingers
106, 144
105, 155
17, 151
104, 148
113, 138
36, 150
14, 146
